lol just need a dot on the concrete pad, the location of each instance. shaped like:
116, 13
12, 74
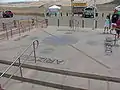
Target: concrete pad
13, 85
81, 51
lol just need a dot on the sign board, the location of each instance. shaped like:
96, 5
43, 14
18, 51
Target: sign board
78, 10
79, 4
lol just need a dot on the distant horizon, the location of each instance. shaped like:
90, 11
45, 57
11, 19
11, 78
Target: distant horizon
15, 1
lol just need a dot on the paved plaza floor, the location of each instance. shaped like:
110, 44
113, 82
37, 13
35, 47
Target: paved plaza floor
80, 50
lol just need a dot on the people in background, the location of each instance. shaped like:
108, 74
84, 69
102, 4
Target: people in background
107, 24
117, 28
109, 17
113, 21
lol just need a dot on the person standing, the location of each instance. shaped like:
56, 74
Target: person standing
117, 28
109, 17
107, 24
113, 21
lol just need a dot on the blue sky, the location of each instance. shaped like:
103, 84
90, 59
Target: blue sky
15, 0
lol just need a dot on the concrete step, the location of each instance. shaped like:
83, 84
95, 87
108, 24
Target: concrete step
63, 72
59, 78
44, 79
38, 82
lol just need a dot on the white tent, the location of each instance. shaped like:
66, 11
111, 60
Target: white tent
54, 7
54, 10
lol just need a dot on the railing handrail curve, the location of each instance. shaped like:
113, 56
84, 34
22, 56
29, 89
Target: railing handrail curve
19, 57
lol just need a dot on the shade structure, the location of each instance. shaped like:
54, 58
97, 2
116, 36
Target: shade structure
54, 10
54, 7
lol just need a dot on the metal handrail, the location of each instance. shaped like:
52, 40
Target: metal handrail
19, 67
18, 57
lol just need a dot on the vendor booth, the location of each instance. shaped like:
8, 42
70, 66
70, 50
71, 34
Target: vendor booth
54, 10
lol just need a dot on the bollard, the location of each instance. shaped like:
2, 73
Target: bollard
102, 14
70, 23
58, 22
66, 14
83, 23
95, 23
61, 13
46, 21
15, 24
33, 22
96, 14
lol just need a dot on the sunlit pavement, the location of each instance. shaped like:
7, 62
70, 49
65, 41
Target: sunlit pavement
80, 50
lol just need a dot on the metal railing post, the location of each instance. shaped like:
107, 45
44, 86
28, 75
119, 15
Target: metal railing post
66, 14
83, 23
11, 32
70, 24
115, 39
3, 25
75, 24
61, 14
6, 32
35, 45
19, 28
20, 67
34, 51
88, 84
95, 23
36, 25
108, 86
14, 22
28, 24
102, 14
22, 27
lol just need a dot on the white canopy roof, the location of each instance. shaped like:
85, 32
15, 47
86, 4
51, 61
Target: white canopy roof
54, 7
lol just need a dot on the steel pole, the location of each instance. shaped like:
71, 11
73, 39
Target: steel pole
72, 23
45, 9
94, 14
20, 68
34, 51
